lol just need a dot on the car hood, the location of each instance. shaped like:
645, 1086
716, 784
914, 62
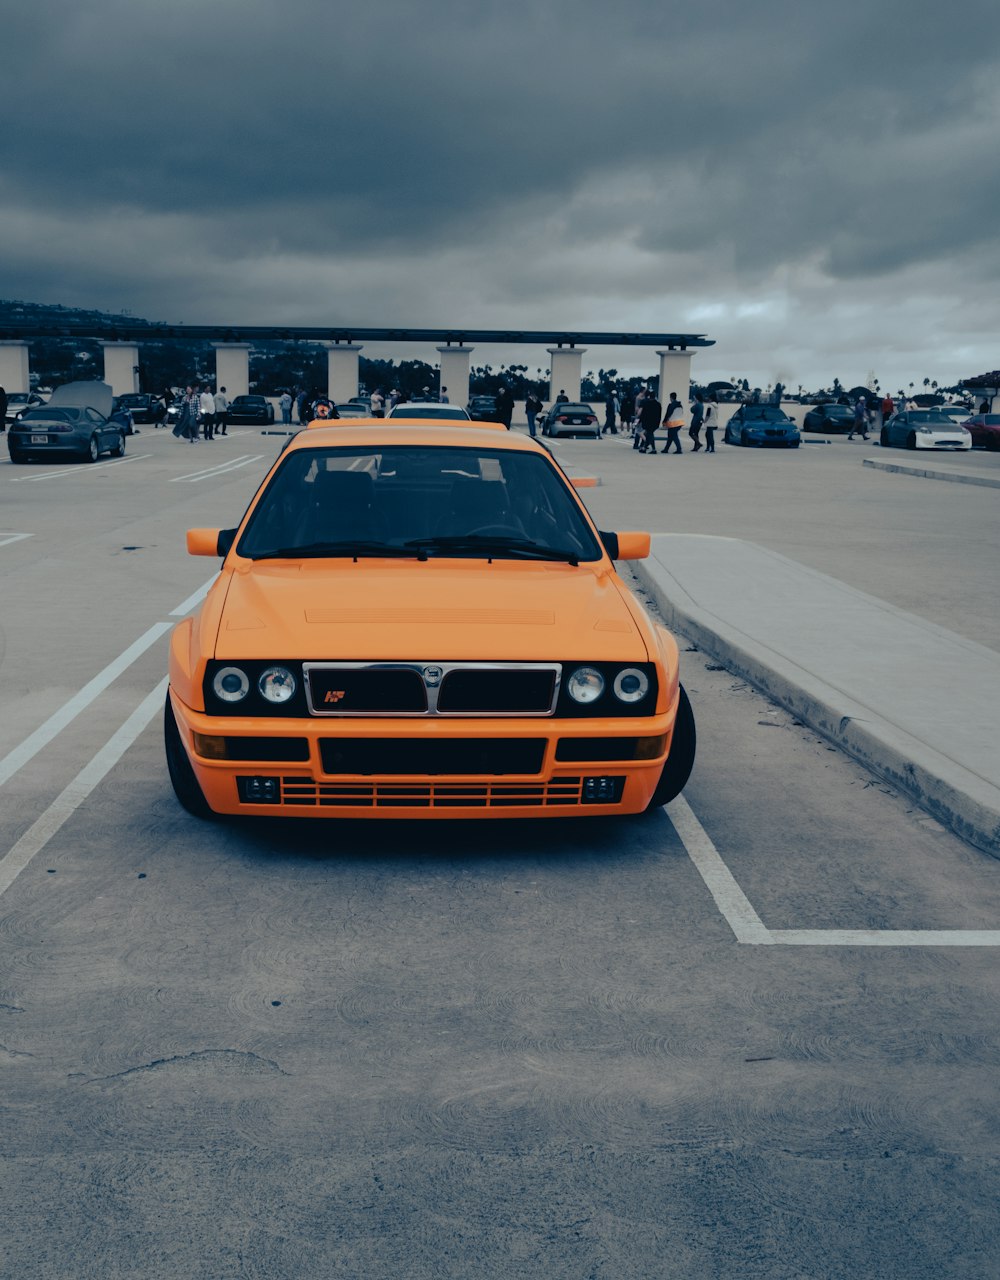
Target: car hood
458, 610
83, 395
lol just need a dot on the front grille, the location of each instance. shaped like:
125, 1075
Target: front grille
454, 756
560, 793
431, 689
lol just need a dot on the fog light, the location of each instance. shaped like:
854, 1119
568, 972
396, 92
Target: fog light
209, 747
602, 790
259, 790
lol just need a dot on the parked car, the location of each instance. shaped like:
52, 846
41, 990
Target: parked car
143, 407
420, 410
251, 410
762, 425
575, 419
924, 429
956, 412
75, 420
439, 632
351, 409
483, 409
829, 417
985, 430
18, 402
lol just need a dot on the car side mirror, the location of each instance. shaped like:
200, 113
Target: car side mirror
626, 546
210, 542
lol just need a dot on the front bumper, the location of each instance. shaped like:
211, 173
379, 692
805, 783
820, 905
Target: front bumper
276, 785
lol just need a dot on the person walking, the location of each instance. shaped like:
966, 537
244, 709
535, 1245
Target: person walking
186, 426
860, 423
206, 407
611, 415
649, 420
302, 407
505, 406
697, 418
532, 408
673, 420
285, 405
711, 422
626, 411
221, 422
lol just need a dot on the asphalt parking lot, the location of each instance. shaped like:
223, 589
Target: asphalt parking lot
529, 1049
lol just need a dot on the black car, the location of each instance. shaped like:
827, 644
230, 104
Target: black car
829, 417
483, 409
762, 424
251, 409
572, 418
143, 407
76, 420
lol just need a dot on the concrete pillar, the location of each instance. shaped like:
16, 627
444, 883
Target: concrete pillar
121, 366
565, 364
15, 373
232, 368
342, 370
675, 375
455, 373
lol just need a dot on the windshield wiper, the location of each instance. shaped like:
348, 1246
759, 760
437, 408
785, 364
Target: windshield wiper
353, 547
489, 545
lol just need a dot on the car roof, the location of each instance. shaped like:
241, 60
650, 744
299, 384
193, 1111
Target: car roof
369, 432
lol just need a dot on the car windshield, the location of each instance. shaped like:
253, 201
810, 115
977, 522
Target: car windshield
930, 418
418, 501
17, 397
428, 411
128, 401
765, 413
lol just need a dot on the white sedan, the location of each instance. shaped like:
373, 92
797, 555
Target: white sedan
429, 410
924, 429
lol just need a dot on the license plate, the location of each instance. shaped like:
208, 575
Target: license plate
39, 439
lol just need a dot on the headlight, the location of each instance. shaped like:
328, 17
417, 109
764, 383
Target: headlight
231, 684
631, 685
586, 684
276, 684
926, 431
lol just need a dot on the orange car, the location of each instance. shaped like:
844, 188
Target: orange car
422, 621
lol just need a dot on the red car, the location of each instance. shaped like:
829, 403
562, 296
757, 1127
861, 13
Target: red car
985, 428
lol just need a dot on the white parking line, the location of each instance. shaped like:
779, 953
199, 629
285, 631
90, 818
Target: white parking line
13, 537
746, 924
66, 804
234, 464
68, 712
80, 471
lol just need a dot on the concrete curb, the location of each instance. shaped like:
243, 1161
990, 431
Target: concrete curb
952, 795
957, 477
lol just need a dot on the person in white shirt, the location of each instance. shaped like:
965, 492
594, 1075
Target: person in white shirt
206, 407
220, 422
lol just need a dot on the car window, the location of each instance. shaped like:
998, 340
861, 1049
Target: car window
49, 415
400, 495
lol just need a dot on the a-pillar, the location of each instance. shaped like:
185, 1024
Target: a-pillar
15, 372
565, 364
121, 366
455, 373
342, 370
675, 375
232, 368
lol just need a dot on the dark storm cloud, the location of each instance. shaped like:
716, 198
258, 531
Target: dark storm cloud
542, 151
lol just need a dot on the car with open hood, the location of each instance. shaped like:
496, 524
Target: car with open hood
76, 420
421, 620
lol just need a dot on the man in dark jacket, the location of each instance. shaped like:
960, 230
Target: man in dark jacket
649, 420
505, 406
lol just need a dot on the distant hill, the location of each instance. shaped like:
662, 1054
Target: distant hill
12, 309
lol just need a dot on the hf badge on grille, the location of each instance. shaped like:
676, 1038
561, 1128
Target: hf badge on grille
432, 676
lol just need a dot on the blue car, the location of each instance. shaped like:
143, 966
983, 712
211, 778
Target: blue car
762, 425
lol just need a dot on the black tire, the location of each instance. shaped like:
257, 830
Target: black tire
883, 438
93, 450
911, 440
182, 778
744, 439
18, 459
119, 450
678, 765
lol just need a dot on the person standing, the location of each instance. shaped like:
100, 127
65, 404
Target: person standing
626, 410
697, 418
711, 422
302, 407
206, 406
532, 408
443, 397
285, 405
505, 406
186, 426
860, 423
3, 410
221, 422
888, 408
649, 420
673, 420
562, 397
378, 403
637, 436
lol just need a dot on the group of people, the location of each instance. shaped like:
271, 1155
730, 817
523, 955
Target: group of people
305, 405
644, 415
200, 414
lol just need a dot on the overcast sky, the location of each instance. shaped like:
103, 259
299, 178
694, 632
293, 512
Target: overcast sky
816, 186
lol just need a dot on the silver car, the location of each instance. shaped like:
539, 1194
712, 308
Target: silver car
74, 421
